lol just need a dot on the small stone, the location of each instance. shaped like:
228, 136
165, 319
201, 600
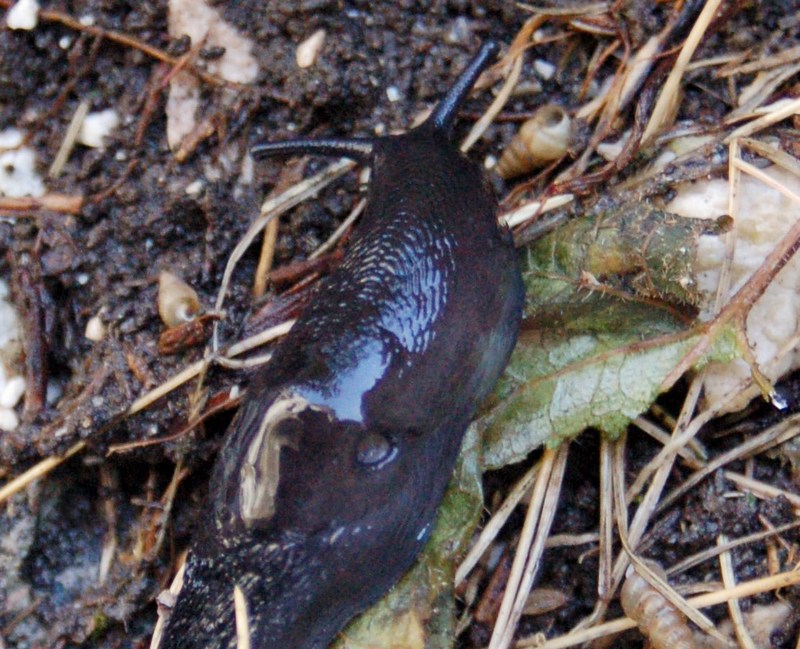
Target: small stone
96, 127
12, 392
8, 420
23, 15
95, 329
308, 51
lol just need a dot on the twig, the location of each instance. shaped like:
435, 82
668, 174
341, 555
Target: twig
783, 431
66, 203
70, 137
671, 88
761, 489
51, 15
37, 471
339, 232
729, 580
195, 368
496, 106
710, 553
265, 258
548, 489
744, 589
496, 522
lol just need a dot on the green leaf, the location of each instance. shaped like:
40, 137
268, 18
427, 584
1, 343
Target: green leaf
607, 324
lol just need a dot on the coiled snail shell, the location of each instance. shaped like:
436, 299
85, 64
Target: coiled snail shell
541, 140
657, 618
177, 301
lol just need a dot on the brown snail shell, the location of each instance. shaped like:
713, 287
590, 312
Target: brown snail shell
657, 618
542, 139
177, 301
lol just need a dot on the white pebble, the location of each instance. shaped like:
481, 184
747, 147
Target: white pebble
96, 127
95, 329
8, 420
309, 49
18, 175
12, 392
54, 391
393, 93
545, 69
194, 188
23, 15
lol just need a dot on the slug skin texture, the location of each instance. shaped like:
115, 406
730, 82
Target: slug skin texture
330, 476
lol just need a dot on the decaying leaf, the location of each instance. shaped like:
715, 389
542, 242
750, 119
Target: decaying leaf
631, 251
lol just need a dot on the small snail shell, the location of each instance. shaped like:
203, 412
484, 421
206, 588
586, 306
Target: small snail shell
542, 139
177, 301
657, 618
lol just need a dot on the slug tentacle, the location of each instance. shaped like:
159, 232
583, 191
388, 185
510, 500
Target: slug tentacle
444, 114
329, 478
356, 148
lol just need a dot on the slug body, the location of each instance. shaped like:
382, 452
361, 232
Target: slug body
329, 479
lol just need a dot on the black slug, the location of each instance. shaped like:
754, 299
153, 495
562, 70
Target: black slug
329, 479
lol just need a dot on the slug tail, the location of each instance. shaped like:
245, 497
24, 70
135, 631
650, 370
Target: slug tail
359, 149
444, 114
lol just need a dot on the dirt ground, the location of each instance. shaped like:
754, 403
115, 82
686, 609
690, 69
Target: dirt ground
137, 217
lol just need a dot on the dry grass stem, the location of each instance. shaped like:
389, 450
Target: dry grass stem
671, 89
265, 258
339, 232
778, 434
38, 470
606, 559
242, 618
785, 110
688, 453
710, 553
70, 137
729, 581
776, 156
788, 55
167, 503
496, 523
529, 550
755, 172
744, 589
108, 480
525, 212
271, 209
761, 489
545, 467
495, 107
196, 368
571, 540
